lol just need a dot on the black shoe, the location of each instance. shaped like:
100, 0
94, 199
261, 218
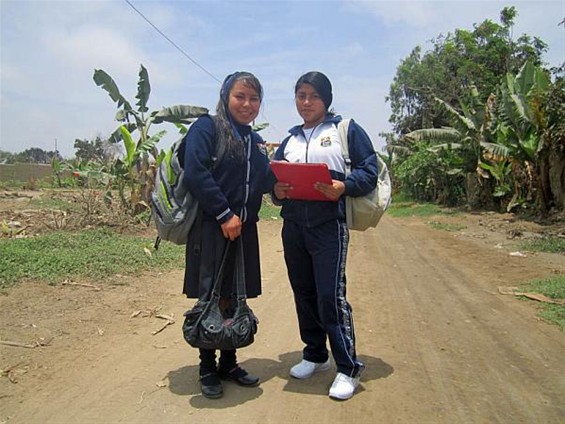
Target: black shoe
211, 386
240, 376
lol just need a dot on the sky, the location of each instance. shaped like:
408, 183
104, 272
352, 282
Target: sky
50, 49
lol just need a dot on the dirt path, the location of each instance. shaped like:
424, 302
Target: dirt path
441, 345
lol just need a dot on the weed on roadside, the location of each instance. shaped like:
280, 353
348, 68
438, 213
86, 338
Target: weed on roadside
553, 288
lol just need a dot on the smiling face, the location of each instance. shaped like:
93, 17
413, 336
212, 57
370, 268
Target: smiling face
243, 103
309, 105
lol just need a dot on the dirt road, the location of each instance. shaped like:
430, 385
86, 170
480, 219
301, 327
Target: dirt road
440, 344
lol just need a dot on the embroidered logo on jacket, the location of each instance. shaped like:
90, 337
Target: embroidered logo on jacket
262, 148
326, 141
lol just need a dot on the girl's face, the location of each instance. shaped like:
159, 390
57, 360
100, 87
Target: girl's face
243, 103
309, 105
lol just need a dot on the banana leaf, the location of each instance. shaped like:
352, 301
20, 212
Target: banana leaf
183, 114
105, 81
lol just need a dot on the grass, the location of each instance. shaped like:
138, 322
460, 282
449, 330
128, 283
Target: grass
555, 289
548, 245
404, 209
90, 255
268, 210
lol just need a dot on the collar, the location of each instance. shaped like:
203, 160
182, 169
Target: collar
329, 118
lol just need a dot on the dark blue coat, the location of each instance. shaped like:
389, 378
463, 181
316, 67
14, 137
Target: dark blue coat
222, 191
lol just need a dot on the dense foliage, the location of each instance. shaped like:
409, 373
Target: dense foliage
479, 120
456, 62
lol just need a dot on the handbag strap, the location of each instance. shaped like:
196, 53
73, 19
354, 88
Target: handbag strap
240, 271
220, 274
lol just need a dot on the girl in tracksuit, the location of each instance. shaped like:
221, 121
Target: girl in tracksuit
315, 235
229, 194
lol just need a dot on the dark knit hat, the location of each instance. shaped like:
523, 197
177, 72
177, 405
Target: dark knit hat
321, 84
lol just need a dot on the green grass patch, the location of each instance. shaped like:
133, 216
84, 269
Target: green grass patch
402, 197
268, 210
11, 185
90, 255
446, 226
408, 209
555, 289
548, 245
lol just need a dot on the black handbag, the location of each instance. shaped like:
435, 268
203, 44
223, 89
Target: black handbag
206, 327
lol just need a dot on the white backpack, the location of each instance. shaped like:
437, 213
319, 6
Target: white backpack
365, 211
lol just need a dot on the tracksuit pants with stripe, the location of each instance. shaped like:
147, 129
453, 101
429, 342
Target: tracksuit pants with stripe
315, 258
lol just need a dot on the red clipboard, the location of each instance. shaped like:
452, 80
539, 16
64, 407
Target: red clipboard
302, 177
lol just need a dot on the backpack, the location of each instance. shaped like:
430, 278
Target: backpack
173, 207
365, 211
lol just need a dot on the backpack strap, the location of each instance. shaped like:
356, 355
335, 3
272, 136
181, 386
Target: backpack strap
342, 130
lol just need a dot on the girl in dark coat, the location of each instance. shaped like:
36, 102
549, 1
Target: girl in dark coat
229, 194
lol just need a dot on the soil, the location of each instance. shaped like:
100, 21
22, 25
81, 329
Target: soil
440, 341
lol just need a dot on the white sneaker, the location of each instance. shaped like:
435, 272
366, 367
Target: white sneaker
343, 386
305, 369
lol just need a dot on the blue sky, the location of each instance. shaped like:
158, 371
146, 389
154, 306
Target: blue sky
49, 50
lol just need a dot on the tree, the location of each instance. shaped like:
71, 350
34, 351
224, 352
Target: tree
457, 61
7, 157
37, 155
97, 150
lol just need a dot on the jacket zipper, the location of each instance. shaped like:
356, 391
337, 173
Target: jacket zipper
309, 138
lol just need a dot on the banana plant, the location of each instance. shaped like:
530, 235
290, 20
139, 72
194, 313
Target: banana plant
141, 119
58, 169
521, 125
522, 119
136, 168
461, 144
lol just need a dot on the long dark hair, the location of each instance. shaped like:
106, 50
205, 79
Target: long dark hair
225, 126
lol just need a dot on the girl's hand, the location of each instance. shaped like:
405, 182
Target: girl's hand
232, 228
332, 191
281, 190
